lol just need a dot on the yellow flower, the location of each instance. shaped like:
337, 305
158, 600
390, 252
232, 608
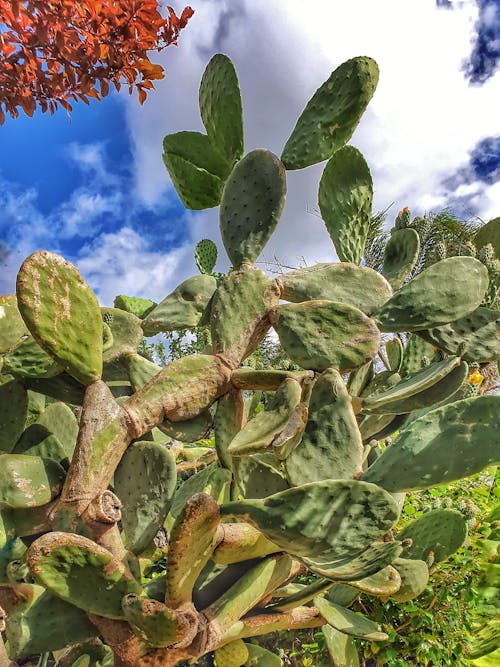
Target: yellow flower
475, 378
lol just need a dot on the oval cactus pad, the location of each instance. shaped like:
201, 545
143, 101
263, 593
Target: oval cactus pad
62, 313
332, 114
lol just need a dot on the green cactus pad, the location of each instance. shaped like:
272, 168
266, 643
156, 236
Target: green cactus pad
145, 483
331, 446
126, 330
258, 476
153, 622
332, 114
241, 542
360, 378
378, 427
476, 336
261, 657
253, 586
260, 432
240, 309
205, 255
220, 107
192, 541
62, 313
197, 169
11, 547
321, 334
391, 400
12, 326
442, 293
45, 623
358, 286
440, 532
400, 255
330, 516
251, 205
414, 577
81, 572
29, 360
445, 389
212, 480
133, 304
394, 351
384, 582
349, 622
52, 435
13, 412
345, 201
355, 567
190, 430
489, 233
61, 387
228, 421
454, 441
38, 441
415, 354
341, 648
182, 308
234, 654
28, 481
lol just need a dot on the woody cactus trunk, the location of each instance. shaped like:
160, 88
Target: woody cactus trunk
103, 553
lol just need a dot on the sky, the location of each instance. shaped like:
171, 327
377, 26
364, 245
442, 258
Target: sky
92, 185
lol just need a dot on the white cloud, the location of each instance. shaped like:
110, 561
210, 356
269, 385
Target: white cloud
419, 129
123, 263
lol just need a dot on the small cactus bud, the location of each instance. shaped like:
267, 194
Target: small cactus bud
487, 254
430, 559
234, 654
469, 249
403, 218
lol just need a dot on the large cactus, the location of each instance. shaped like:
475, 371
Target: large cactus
96, 536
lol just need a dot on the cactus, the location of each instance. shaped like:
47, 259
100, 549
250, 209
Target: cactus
172, 550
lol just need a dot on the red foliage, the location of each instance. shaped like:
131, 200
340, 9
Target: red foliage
56, 51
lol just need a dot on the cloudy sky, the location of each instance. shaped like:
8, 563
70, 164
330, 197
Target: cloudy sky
93, 186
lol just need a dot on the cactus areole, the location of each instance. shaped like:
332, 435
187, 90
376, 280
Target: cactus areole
116, 540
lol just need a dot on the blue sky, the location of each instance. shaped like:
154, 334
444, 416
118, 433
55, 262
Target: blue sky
92, 186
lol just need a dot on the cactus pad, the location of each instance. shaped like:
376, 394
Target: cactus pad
345, 201
457, 286
205, 255
81, 572
212, 480
476, 336
332, 114
29, 360
260, 432
400, 255
228, 421
394, 351
358, 286
182, 308
251, 205
28, 481
438, 533
258, 476
198, 171
193, 539
349, 622
341, 648
320, 334
239, 318
331, 446
133, 304
322, 516
220, 107
126, 333
62, 313
414, 577
424, 453
45, 623
13, 412
234, 654
12, 326
153, 622
145, 483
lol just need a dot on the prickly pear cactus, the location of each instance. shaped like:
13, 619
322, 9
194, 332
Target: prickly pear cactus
172, 549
